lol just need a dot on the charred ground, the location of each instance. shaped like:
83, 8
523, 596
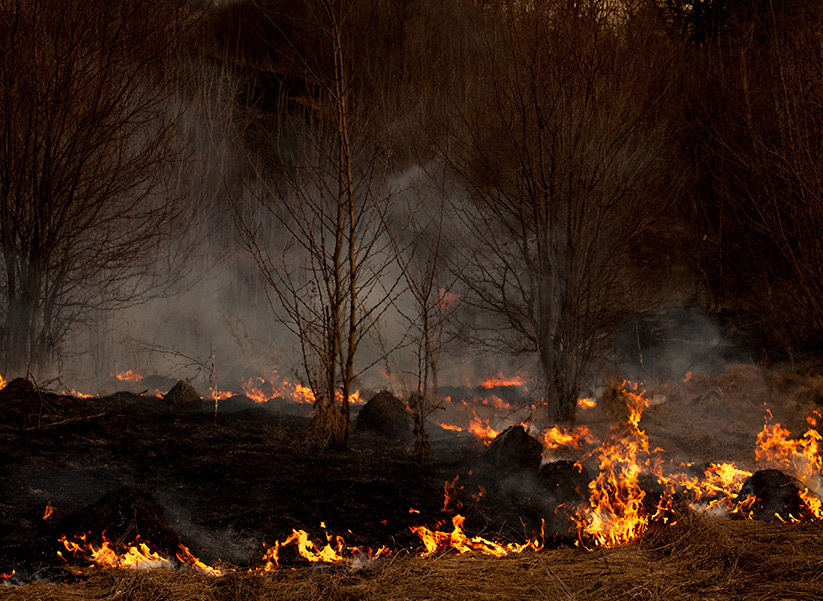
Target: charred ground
225, 482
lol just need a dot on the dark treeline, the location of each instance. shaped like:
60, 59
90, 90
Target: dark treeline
556, 167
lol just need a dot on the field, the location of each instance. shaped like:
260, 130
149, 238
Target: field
228, 485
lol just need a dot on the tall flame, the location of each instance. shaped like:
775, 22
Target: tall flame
616, 512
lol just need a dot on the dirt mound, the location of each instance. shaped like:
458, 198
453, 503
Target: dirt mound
774, 495
183, 396
513, 449
125, 516
385, 416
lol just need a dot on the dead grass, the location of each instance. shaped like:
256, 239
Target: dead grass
699, 558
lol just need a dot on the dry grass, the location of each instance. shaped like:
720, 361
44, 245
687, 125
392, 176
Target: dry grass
698, 558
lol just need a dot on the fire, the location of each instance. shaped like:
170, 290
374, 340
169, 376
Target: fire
220, 395
48, 511
4, 576
129, 376
716, 489
79, 395
185, 557
450, 492
482, 430
335, 550
586, 403
617, 512
2, 382
520, 379
451, 427
138, 555
801, 458
560, 437
496, 402
434, 541
287, 390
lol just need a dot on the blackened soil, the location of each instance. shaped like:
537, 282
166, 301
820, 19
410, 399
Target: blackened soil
230, 482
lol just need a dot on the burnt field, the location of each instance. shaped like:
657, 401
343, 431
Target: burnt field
231, 485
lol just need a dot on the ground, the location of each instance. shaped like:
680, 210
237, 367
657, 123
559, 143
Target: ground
229, 483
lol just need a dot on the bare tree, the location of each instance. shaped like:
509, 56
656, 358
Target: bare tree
560, 158
324, 196
419, 247
86, 153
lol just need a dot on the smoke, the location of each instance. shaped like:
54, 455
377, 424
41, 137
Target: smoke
675, 341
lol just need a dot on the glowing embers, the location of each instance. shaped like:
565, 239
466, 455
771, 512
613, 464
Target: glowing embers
135, 555
129, 375
334, 551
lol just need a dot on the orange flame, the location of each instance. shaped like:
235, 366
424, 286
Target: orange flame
287, 390
48, 511
520, 379
560, 437
434, 541
451, 427
586, 403
801, 458
616, 513
129, 376
334, 551
482, 430
717, 488
137, 556
2, 386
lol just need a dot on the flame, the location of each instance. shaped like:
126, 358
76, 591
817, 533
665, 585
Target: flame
800, 458
616, 513
586, 403
79, 395
434, 541
2, 386
48, 511
218, 395
184, 556
129, 376
3, 575
496, 402
451, 427
335, 550
482, 430
137, 556
560, 437
287, 390
450, 492
520, 379
717, 488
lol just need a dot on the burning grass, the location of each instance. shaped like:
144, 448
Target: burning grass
699, 558
261, 478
